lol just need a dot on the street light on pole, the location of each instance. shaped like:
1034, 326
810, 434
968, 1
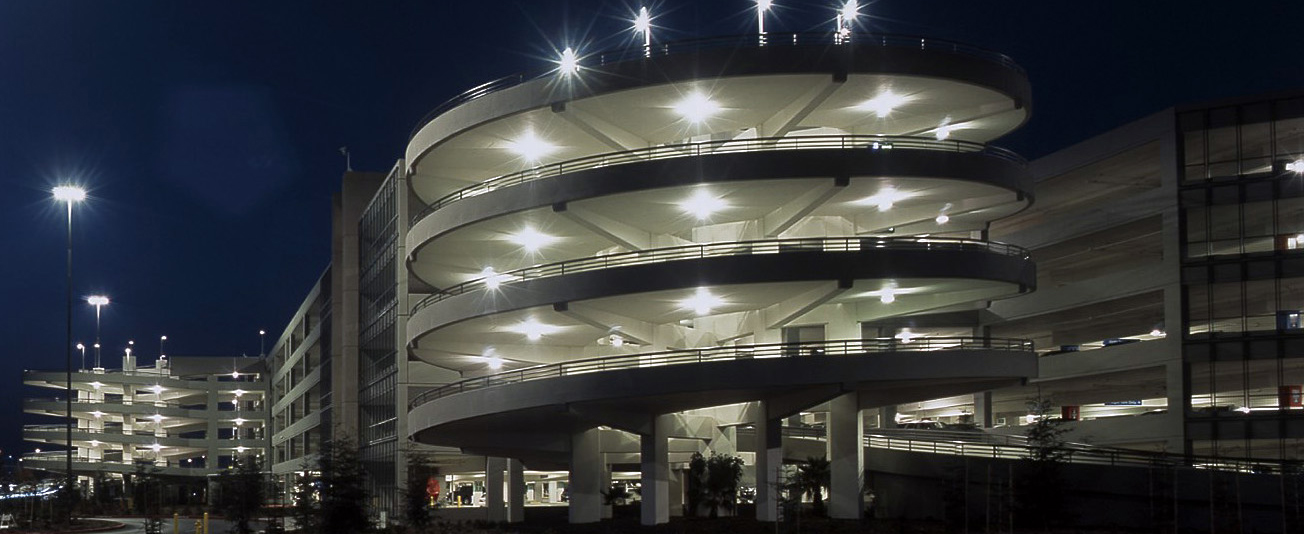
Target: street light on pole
99, 301
262, 345
69, 195
643, 25
82, 348
162, 355
761, 7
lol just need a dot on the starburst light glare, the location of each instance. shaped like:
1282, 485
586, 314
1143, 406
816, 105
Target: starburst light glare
569, 63
97, 300
531, 147
1296, 166
702, 204
69, 193
490, 277
761, 7
157, 389
157, 418
532, 240
239, 421
156, 447
696, 107
884, 103
849, 12
643, 25
942, 218
702, 301
534, 330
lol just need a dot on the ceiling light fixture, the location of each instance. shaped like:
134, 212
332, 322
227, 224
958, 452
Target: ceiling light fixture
702, 301
531, 147
532, 240
569, 63
884, 103
702, 204
534, 330
696, 107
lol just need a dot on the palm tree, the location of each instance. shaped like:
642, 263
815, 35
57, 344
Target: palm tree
811, 478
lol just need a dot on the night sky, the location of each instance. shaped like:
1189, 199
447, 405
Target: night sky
207, 132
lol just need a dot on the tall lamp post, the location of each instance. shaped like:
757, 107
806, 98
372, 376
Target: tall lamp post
69, 195
99, 301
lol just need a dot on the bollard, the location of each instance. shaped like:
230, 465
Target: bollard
205, 522
176, 523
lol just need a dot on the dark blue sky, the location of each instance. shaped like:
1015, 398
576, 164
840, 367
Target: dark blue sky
207, 132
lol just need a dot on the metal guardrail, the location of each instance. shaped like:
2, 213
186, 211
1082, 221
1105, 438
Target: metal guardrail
732, 146
770, 39
980, 444
716, 250
851, 347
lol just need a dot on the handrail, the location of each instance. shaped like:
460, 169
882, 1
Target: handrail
770, 39
848, 347
728, 146
1000, 446
713, 250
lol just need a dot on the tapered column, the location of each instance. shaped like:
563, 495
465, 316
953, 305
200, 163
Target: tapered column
515, 491
769, 462
586, 472
846, 457
493, 488
655, 456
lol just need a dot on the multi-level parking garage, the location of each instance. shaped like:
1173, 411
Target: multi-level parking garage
708, 223
183, 416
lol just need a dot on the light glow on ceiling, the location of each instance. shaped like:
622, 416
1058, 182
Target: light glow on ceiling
942, 218
492, 359
703, 204
534, 330
702, 301
885, 198
944, 129
696, 107
531, 147
531, 239
884, 103
888, 294
157, 389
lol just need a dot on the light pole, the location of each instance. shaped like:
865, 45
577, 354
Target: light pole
99, 301
643, 25
761, 7
82, 348
262, 343
69, 195
161, 341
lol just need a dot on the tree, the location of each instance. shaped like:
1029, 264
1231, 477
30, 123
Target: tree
720, 488
416, 500
305, 509
241, 493
696, 479
811, 478
343, 504
1040, 496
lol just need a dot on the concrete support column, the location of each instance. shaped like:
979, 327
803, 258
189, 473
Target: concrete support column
887, 416
606, 486
769, 463
586, 472
654, 453
515, 491
210, 424
846, 430
982, 409
493, 488
554, 492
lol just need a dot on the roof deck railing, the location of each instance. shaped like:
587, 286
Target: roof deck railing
598, 60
